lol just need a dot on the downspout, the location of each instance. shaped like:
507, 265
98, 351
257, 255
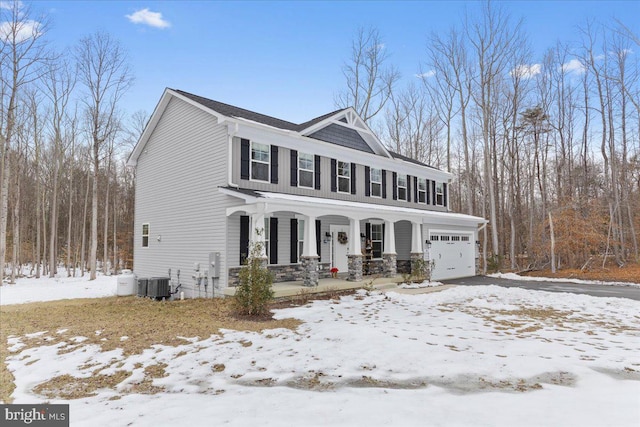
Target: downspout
232, 130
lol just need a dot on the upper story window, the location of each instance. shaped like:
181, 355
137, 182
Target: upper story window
422, 190
376, 182
260, 161
344, 177
439, 194
402, 187
145, 235
305, 170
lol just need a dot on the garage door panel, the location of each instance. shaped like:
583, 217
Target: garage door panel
453, 254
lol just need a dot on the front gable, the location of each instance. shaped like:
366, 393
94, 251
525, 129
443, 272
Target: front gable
347, 129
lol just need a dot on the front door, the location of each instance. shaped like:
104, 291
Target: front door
339, 248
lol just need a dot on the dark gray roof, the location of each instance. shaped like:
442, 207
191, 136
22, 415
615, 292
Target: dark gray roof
231, 111
408, 159
343, 136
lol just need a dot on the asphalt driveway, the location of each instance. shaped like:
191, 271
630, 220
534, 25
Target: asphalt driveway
630, 292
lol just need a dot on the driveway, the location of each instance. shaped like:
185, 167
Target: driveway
630, 292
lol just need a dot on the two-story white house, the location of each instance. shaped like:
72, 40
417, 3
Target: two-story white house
209, 175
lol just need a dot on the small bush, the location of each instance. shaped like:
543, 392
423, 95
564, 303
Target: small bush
254, 291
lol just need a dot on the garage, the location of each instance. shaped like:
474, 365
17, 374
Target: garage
453, 255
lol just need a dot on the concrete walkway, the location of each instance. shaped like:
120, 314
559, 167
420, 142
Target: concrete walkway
384, 284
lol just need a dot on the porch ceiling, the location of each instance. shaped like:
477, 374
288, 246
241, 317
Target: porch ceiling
269, 202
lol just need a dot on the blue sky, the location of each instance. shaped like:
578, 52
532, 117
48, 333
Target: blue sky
284, 58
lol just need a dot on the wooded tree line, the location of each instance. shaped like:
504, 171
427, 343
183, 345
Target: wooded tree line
546, 148
66, 198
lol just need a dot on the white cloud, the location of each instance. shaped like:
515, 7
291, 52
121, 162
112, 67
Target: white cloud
426, 75
147, 17
526, 71
9, 5
23, 31
573, 66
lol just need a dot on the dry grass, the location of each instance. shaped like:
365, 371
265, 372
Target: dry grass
104, 321
594, 271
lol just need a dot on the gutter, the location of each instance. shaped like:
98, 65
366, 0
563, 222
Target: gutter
232, 130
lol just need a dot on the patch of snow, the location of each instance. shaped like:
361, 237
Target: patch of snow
514, 276
424, 284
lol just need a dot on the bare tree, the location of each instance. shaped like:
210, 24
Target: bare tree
104, 72
22, 53
370, 81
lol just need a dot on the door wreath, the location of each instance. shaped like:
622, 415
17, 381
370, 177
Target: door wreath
342, 237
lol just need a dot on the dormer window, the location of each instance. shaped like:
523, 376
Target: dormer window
402, 187
344, 177
260, 161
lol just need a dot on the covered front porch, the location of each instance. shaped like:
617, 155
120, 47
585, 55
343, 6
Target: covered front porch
305, 239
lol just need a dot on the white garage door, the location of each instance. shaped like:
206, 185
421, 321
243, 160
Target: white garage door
454, 255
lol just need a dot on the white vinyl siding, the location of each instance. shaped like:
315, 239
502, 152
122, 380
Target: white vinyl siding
260, 161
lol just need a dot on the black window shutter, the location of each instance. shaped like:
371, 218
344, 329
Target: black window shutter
428, 192
408, 188
367, 231
395, 185
433, 188
353, 178
318, 239
415, 189
244, 159
384, 184
294, 241
274, 164
273, 240
294, 168
367, 181
444, 194
334, 175
316, 172
244, 239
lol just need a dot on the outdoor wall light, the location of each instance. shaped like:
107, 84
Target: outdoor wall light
159, 238
327, 234
428, 243
362, 235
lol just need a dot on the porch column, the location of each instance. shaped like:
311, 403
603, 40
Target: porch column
355, 251
309, 258
257, 234
417, 255
389, 256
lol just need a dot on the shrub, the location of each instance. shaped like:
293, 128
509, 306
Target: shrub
254, 291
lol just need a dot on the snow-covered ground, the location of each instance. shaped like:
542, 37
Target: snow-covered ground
514, 276
465, 356
50, 289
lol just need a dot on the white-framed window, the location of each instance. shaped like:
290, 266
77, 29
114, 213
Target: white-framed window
402, 187
305, 170
260, 161
422, 190
344, 177
439, 194
375, 176
376, 240
300, 238
145, 235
